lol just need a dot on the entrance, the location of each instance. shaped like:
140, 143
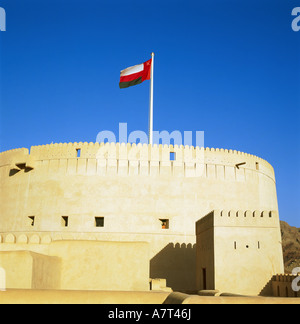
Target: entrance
204, 278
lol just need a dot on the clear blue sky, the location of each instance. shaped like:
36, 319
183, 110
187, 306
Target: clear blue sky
228, 68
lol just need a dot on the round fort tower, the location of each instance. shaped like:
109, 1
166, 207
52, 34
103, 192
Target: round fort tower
126, 192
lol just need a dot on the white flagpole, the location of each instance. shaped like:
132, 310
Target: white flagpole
151, 103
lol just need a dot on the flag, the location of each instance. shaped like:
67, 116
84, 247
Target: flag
135, 74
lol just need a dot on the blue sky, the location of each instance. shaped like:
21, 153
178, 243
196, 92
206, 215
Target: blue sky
229, 68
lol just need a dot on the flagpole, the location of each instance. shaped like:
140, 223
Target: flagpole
151, 102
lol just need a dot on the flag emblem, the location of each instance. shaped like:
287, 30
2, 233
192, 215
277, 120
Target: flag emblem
136, 74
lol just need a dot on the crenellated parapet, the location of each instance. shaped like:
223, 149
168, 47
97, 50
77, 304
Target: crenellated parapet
286, 277
286, 285
139, 159
239, 218
265, 218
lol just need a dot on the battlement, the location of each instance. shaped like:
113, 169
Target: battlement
129, 151
141, 159
286, 277
282, 285
238, 218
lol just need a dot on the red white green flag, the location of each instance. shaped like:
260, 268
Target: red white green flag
135, 74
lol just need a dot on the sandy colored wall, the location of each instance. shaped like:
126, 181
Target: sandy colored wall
132, 187
132, 201
247, 251
94, 265
123, 297
19, 296
25, 269
77, 265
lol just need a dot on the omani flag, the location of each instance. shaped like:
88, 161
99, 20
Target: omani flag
135, 74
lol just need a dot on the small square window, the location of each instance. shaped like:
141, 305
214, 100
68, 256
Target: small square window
64, 221
164, 223
31, 220
99, 221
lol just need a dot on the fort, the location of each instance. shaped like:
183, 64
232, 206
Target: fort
127, 217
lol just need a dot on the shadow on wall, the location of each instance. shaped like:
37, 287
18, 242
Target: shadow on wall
267, 289
177, 264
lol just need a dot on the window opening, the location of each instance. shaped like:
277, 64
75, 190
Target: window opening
31, 220
204, 278
64, 221
164, 223
99, 221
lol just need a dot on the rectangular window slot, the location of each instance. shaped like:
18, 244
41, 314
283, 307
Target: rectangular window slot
31, 220
204, 278
99, 221
78, 152
64, 221
257, 165
234, 245
172, 156
164, 223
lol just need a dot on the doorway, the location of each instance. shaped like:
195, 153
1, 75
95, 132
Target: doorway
204, 278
